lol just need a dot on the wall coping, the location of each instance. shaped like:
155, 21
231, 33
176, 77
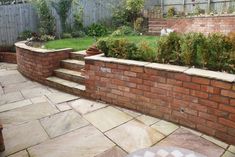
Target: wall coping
22, 44
166, 67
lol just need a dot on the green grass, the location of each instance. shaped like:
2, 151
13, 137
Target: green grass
83, 43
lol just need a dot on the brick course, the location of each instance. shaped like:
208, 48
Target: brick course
8, 57
197, 102
37, 65
204, 25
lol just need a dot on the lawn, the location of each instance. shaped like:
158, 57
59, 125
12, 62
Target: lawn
83, 43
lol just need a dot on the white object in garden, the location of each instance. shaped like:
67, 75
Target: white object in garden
166, 32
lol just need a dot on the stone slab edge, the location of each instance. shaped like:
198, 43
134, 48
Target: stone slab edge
226, 77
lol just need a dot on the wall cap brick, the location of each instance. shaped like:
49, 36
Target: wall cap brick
22, 45
166, 67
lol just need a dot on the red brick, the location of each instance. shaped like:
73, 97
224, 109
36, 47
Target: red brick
221, 84
163, 86
216, 126
181, 90
143, 87
210, 89
206, 129
208, 103
123, 67
137, 69
198, 107
232, 117
111, 65
200, 80
208, 116
232, 102
228, 93
136, 80
217, 112
199, 94
219, 99
227, 108
117, 92
174, 82
191, 85
131, 74
227, 122
137, 91
183, 77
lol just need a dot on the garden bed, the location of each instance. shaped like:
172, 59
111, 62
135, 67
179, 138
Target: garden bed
200, 99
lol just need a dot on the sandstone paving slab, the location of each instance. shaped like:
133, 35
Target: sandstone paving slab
84, 142
19, 86
12, 79
22, 136
130, 112
165, 127
107, 118
84, 106
185, 139
22, 153
8, 66
113, 152
215, 141
34, 92
1, 90
10, 97
27, 113
5, 72
15, 105
148, 120
232, 149
39, 99
63, 106
228, 154
62, 123
134, 135
192, 131
57, 98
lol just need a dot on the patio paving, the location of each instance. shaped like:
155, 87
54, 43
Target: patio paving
40, 121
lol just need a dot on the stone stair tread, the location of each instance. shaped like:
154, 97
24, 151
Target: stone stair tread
69, 72
83, 52
74, 61
67, 83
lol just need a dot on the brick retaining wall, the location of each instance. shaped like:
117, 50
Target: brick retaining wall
206, 25
38, 64
199, 99
8, 57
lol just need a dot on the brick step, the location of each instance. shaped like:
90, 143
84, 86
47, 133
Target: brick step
157, 26
66, 86
73, 64
70, 75
158, 22
79, 55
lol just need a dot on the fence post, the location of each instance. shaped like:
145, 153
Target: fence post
162, 7
183, 3
209, 6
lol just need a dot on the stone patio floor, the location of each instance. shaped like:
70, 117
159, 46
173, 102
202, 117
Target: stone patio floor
40, 121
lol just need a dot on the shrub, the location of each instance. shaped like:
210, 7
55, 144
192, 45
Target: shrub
46, 19
138, 24
193, 46
45, 38
66, 35
78, 34
124, 30
97, 30
171, 12
168, 50
25, 35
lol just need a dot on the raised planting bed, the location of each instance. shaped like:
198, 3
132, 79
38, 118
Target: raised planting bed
36, 63
200, 99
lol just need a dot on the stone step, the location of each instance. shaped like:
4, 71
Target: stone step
79, 55
73, 64
70, 75
66, 86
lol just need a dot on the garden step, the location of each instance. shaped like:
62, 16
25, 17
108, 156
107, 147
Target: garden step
66, 86
79, 55
70, 75
73, 64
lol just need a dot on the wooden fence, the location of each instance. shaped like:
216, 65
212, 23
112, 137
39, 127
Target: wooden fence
19, 17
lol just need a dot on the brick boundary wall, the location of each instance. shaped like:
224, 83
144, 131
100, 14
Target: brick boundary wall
8, 57
199, 99
206, 25
38, 64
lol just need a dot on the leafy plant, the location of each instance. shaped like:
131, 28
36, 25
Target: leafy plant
45, 38
46, 19
168, 49
97, 30
138, 24
124, 30
25, 35
67, 35
171, 12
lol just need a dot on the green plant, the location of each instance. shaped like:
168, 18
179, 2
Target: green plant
168, 49
193, 46
45, 38
78, 34
62, 8
46, 19
124, 30
171, 12
138, 24
66, 35
25, 35
97, 30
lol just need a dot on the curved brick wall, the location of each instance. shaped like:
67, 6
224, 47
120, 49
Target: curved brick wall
199, 99
38, 64
8, 57
206, 25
